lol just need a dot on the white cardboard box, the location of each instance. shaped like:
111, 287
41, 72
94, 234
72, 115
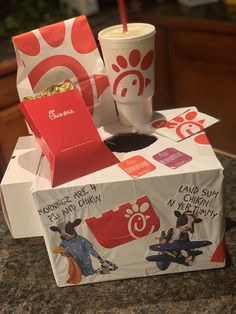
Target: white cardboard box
16, 200
112, 216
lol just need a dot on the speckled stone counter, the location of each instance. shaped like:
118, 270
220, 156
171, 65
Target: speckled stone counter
27, 284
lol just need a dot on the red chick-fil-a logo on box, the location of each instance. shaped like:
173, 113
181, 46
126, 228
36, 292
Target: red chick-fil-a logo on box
54, 115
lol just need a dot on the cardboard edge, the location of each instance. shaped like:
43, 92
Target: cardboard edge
3, 203
4, 210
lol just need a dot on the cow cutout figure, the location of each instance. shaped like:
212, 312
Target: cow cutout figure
175, 245
78, 251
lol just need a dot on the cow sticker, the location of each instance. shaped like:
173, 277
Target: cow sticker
174, 244
78, 251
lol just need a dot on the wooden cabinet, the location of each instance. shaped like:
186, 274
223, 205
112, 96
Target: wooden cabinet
12, 123
203, 73
196, 66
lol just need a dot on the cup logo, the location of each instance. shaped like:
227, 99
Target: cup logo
134, 69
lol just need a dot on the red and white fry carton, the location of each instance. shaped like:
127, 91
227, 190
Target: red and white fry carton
67, 135
65, 51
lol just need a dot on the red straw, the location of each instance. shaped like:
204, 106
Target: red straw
122, 12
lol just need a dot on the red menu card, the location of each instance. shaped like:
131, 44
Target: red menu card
67, 135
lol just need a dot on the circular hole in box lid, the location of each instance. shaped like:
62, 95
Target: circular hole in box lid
128, 142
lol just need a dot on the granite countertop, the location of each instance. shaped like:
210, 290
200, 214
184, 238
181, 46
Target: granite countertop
27, 284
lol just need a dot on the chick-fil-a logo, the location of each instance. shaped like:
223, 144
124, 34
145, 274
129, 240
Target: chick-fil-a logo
129, 222
54, 115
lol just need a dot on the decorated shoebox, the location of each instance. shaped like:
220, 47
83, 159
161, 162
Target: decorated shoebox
16, 200
157, 211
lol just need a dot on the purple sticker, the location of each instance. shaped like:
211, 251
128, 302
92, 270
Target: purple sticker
172, 158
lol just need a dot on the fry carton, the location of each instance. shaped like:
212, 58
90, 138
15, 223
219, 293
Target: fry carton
67, 135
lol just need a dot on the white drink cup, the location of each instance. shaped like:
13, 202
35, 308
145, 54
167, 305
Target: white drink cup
129, 61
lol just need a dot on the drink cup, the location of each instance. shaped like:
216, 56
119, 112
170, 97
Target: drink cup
129, 61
